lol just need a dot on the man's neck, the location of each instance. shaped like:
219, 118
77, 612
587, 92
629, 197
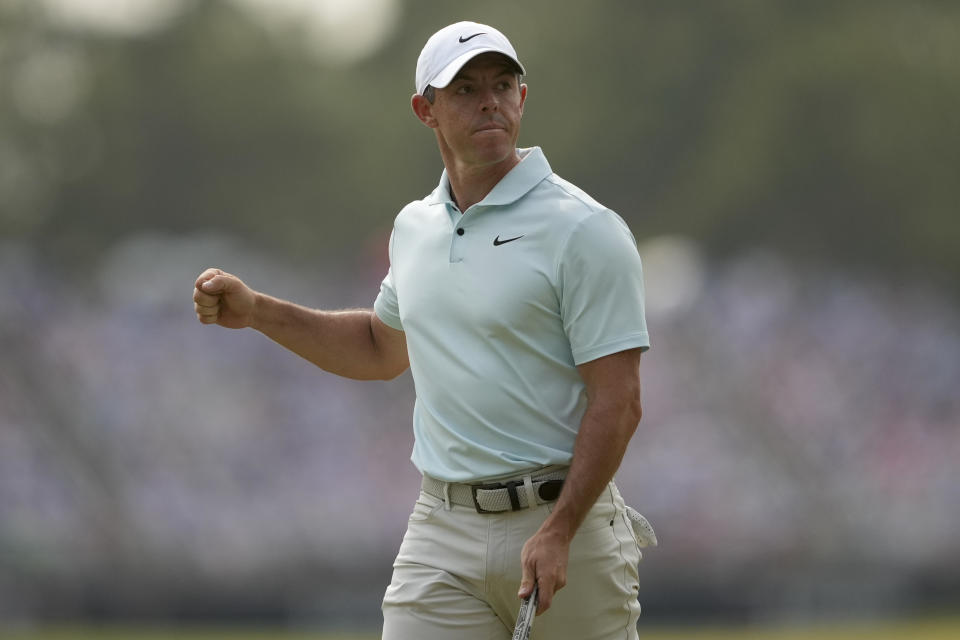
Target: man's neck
471, 184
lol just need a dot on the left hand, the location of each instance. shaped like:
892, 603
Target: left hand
544, 561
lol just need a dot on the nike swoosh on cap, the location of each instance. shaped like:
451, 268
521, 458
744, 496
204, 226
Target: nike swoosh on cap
462, 39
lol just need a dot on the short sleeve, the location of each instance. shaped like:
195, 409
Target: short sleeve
386, 306
601, 288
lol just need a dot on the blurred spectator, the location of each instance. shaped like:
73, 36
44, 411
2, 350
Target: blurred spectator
806, 420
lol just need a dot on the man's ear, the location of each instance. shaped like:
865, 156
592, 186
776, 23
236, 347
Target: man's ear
523, 97
423, 110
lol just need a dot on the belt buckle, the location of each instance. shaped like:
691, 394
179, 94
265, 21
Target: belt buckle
482, 487
511, 488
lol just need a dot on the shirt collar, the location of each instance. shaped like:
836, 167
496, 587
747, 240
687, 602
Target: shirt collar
528, 173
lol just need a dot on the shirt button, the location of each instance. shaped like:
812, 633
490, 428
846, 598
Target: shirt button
460, 231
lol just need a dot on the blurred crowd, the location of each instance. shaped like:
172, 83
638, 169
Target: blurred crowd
799, 443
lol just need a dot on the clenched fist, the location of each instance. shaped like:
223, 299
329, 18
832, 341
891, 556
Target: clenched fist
222, 298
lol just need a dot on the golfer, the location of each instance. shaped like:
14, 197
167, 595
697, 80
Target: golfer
516, 300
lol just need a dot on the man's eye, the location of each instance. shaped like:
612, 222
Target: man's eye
463, 89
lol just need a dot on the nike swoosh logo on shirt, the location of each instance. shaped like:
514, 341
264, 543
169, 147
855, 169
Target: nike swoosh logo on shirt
497, 241
462, 39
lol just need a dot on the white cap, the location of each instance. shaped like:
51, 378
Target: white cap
452, 47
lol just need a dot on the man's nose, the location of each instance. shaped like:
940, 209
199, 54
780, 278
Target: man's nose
489, 100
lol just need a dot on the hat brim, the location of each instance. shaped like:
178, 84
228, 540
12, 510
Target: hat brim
449, 72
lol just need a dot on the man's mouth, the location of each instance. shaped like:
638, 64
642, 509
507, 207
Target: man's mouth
490, 126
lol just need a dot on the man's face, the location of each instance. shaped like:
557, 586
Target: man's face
477, 116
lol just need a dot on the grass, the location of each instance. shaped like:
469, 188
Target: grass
943, 628
176, 633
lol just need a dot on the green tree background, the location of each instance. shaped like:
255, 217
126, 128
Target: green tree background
825, 130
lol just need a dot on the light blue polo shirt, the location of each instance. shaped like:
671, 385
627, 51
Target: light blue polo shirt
497, 316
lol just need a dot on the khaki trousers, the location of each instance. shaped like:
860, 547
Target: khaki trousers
457, 574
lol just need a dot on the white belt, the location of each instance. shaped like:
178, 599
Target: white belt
497, 497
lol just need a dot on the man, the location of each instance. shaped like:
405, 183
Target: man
517, 302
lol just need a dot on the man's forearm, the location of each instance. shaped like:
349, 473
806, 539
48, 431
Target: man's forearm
605, 432
341, 342
613, 411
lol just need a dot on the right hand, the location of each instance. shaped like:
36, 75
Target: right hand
222, 298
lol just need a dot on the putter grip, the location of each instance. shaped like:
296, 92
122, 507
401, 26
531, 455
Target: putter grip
528, 610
